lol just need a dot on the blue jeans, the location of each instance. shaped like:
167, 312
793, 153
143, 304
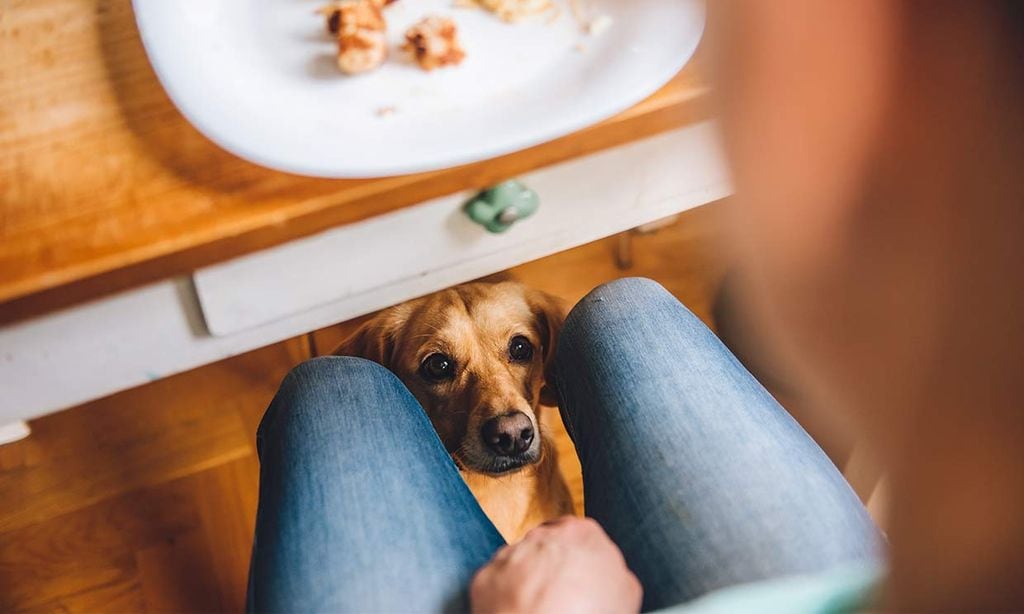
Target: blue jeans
692, 468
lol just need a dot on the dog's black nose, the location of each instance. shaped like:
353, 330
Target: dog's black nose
509, 434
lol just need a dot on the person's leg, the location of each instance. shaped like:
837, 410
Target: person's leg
692, 468
361, 508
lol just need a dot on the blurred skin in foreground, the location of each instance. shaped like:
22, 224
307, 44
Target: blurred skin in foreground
879, 228
877, 148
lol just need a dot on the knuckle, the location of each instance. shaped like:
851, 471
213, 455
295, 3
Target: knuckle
480, 578
635, 586
590, 525
561, 521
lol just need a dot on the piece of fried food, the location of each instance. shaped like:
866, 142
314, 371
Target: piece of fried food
361, 32
516, 10
333, 12
434, 42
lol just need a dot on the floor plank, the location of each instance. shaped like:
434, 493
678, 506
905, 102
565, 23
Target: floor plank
118, 595
148, 435
227, 498
176, 576
91, 548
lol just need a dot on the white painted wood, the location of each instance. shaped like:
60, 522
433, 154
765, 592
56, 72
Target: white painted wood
581, 200
71, 356
15, 431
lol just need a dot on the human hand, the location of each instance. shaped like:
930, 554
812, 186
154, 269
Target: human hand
566, 566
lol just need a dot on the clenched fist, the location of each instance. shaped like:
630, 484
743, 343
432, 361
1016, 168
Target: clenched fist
567, 566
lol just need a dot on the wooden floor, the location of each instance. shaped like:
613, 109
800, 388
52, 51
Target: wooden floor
145, 501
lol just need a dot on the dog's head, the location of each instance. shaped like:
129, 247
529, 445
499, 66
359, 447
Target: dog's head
478, 357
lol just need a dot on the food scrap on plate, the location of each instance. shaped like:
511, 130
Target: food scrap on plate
361, 32
434, 42
512, 10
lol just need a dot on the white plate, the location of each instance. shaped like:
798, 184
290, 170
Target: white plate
258, 77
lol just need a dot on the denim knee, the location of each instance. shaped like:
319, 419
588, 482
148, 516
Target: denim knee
616, 316
316, 371
629, 297
630, 286
329, 385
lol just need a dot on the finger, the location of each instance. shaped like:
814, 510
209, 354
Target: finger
502, 554
560, 528
585, 528
481, 578
561, 520
550, 526
539, 536
523, 551
480, 586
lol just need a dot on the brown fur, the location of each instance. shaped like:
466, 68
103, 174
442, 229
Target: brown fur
473, 324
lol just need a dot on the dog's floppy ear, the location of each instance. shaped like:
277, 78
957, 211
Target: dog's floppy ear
376, 338
549, 312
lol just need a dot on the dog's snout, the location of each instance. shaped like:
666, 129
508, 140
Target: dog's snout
509, 434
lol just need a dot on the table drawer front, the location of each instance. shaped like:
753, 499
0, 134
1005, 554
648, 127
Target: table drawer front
368, 265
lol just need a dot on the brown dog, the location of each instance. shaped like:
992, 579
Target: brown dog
478, 358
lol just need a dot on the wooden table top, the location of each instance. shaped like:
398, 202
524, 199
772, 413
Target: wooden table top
105, 186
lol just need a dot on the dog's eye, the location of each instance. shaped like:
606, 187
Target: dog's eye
437, 367
520, 349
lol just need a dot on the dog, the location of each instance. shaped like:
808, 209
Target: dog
478, 357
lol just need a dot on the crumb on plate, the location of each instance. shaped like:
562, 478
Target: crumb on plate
516, 10
433, 42
599, 25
